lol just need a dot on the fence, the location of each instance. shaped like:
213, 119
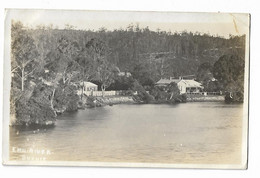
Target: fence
126, 93
205, 93
97, 93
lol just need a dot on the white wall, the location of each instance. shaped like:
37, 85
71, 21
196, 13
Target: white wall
182, 87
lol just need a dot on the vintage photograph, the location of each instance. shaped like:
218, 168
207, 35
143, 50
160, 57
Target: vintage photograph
126, 89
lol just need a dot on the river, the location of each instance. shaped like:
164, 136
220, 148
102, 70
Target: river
202, 132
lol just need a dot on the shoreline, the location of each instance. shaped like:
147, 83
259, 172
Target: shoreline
202, 98
93, 102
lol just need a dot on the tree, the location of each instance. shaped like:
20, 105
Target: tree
62, 62
104, 69
62, 67
141, 73
204, 74
166, 94
173, 90
87, 65
142, 95
159, 94
68, 53
105, 76
122, 83
204, 71
97, 49
36, 108
229, 71
44, 42
24, 53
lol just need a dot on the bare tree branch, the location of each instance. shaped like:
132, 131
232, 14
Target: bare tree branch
12, 71
30, 72
18, 74
27, 62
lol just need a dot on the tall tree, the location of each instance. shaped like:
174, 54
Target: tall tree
106, 76
24, 53
104, 69
62, 61
61, 67
86, 65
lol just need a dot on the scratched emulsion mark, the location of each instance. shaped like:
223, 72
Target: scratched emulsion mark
235, 24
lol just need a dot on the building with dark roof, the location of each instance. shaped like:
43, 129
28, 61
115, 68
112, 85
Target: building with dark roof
185, 86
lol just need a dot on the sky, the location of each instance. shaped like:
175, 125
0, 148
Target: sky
221, 24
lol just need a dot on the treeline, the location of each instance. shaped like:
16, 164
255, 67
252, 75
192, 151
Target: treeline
131, 47
49, 65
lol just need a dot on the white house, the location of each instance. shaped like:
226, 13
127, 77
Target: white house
185, 86
91, 89
89, 86
189, 86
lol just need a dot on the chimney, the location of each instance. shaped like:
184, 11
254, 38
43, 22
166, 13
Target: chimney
180, 77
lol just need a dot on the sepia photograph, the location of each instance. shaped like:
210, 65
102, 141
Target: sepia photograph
126, 89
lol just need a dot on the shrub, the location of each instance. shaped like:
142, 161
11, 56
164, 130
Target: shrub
36, 109
142, 95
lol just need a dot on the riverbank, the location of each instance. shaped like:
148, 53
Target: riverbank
202, 98
98, 101
111, 100
90, 102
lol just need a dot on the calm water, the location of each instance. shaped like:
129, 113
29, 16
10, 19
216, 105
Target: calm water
183, 133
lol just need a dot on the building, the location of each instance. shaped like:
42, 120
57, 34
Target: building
91, 89
185, 86
89, 86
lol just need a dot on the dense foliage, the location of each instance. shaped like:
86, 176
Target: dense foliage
229, 71
168, 94
48, 64
143, 52
34, 106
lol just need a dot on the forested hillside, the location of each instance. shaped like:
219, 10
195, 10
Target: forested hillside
47, 63
161, 53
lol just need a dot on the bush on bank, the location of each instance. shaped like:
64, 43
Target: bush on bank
33, 107
38, 104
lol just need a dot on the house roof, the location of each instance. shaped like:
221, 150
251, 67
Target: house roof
188, 83
88, 84
192, 83
167, 81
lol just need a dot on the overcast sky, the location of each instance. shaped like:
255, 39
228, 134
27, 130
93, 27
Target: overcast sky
222, 24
